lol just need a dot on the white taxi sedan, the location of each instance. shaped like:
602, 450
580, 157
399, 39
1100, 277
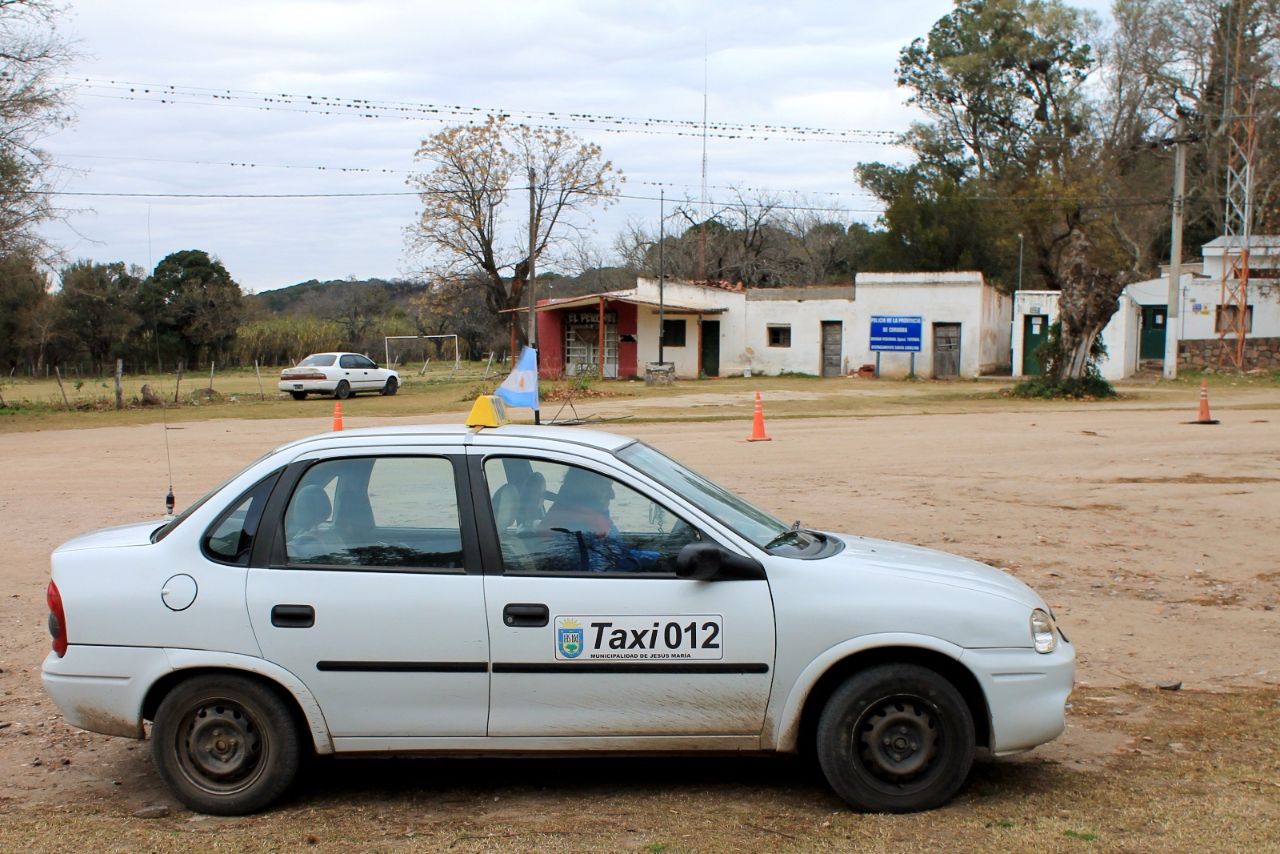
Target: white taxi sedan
525, 589
338, 374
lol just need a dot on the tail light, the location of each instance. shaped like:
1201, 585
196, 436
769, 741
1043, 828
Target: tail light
57, 620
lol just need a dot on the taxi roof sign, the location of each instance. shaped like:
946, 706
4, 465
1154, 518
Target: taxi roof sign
487, 411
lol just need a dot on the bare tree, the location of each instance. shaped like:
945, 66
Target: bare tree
32, 103
471, 198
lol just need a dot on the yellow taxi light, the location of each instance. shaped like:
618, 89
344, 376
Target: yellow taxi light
487, 411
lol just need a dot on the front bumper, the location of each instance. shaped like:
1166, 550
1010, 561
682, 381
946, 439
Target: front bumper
1026, 693
102, 688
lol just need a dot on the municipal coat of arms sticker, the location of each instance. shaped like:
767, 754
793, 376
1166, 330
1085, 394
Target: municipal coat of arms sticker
568, 639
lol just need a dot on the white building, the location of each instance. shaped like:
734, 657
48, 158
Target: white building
823, 330
1136, 333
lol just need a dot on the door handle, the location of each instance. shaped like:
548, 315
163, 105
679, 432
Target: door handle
523, 615
293, 616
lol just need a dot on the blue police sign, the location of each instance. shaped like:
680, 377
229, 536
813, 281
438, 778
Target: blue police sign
895, 332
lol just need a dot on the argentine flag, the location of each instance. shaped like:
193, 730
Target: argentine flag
521, 388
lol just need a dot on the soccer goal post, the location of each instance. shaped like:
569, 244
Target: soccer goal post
420, 346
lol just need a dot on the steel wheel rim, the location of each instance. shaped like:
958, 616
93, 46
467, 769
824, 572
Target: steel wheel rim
896, 741
220, 747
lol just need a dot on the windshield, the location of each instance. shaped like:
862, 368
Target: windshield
751, 522
320, 360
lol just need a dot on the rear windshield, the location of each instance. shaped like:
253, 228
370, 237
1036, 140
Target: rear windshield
320, 360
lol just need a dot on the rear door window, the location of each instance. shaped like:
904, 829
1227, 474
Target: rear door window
376, 512
230, 539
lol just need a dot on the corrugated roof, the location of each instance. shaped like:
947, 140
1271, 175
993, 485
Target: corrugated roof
593, 300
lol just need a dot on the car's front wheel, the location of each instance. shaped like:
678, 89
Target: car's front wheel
391, 387
225, 744
343, 391
896, 738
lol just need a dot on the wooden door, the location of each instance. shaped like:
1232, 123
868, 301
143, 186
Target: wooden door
946, 350
832, 335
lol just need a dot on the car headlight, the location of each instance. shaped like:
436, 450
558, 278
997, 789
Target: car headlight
1044, 634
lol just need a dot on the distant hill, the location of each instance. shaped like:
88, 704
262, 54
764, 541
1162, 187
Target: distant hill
327, 299
321, 299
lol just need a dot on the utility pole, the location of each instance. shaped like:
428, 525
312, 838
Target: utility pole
533, 241
662, 272
1175, 253
1019, 260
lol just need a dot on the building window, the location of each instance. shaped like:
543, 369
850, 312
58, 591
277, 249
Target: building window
1224, 319
779, 335
673, 333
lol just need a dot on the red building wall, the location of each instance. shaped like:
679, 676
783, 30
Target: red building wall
551, 339
627, 325
550, 344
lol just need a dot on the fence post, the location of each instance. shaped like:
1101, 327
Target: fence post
261, 394
119, 388
57, 372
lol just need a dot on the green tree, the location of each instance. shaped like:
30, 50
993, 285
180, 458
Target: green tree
98, 308
25, 303
1016, 146
468, 198
191, 305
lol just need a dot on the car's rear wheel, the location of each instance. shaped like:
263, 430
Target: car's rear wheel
343, 391
896, 738
225, 744
391, 387
299, 395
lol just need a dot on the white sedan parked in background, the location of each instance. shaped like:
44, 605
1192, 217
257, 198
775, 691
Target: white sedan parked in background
516, 589
338, 374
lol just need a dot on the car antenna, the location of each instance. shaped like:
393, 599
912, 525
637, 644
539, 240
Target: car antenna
168, 499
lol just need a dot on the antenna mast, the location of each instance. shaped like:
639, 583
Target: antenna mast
1237, 220
702, 229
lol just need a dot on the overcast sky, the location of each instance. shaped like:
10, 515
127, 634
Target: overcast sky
816, 65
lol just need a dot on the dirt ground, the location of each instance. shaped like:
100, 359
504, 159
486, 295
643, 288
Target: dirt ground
1153, 540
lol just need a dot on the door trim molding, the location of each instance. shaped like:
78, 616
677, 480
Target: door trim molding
701, 667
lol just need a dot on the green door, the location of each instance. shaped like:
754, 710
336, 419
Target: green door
1152, 346
711, 348
1035, 331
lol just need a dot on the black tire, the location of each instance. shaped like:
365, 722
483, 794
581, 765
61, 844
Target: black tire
225, 744
343, 391
391, 387
896, 738
299, 395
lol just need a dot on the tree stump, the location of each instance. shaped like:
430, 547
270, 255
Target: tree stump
149, 397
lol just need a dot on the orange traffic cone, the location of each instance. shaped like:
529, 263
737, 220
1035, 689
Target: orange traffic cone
337, 415
1204, 405
757, 424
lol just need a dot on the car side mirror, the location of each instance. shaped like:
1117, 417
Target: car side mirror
710, 562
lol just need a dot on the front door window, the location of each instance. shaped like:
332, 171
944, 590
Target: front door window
557, 518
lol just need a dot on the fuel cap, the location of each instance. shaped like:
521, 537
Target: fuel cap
179, 592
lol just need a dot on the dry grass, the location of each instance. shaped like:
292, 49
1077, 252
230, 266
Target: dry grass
38, 404
1194, 772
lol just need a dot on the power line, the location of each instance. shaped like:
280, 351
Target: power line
227, 195
377, 170
372, 170
169, 93
998, 202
